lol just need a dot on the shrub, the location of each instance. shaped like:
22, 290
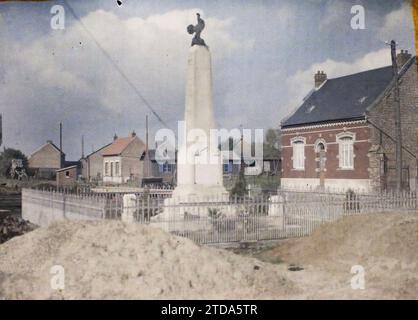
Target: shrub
6, 157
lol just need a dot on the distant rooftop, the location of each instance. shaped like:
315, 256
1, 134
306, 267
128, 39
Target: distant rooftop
117, 146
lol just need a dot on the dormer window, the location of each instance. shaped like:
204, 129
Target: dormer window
362, 99
310, 109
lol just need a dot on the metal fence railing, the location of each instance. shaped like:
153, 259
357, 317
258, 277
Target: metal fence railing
237, 219
225, 219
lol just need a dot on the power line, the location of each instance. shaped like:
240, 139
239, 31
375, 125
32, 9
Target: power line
115, 65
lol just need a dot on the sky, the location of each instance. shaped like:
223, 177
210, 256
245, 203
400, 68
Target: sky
264, 56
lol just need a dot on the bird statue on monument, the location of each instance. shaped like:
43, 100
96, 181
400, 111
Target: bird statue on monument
197, 29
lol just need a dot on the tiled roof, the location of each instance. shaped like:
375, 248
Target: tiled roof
344, 98
95, 151
117, 146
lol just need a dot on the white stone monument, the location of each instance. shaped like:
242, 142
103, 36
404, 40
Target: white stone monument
199, 162
199, 169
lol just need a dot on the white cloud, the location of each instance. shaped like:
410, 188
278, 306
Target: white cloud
147, 50
336, 13
63, 75
398, 25
286, 17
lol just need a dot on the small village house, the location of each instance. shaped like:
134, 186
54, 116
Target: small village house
68, 176
46, 160
121, 160
92, 165
166, 171
343, 135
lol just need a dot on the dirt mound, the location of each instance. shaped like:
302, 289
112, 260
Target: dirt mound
12, 226
109, 259
386, 245
360, 237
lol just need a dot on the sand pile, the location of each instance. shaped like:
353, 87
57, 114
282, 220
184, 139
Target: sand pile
386, 245
12, 226
109, 259
359, 237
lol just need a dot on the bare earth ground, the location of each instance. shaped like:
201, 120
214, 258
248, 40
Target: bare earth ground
109, 259
386, 245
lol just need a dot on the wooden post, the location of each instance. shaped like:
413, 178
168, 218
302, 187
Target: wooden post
398, 127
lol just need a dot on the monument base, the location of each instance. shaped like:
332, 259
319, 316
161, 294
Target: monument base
193, 202
197, 191
197, 214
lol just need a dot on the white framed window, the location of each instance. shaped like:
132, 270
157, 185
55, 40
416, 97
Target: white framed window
117, 169
106, 168
320, 145
346, 150
298, 146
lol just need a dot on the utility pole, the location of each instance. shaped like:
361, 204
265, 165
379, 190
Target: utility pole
61, 160
147, 159
242, 167
1, 130
82, 147
398, 126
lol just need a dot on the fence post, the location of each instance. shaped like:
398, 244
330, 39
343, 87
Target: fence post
128, 210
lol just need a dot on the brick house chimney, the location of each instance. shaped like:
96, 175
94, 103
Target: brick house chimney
320, 77
402, 58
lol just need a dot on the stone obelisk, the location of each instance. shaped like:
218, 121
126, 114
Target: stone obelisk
199, 165
199, 168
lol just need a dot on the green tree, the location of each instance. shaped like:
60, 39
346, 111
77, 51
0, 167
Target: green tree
271, 144
240, 187
6, 157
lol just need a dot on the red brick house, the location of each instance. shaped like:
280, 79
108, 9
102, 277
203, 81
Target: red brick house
343, 134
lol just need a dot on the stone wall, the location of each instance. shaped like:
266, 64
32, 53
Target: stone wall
383, 146
44, 207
